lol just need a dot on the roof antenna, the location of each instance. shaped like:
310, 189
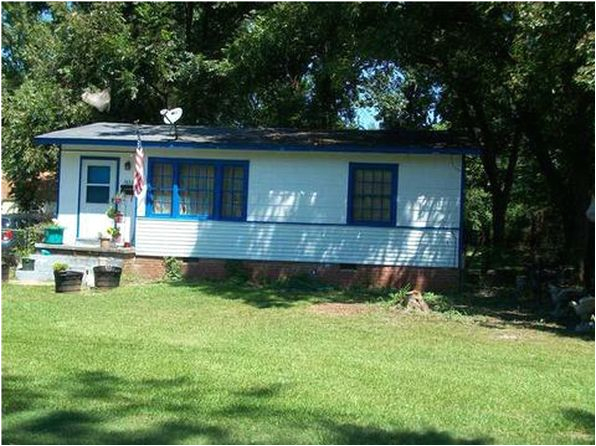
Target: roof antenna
171, 117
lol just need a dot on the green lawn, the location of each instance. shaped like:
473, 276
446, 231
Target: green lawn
207, 363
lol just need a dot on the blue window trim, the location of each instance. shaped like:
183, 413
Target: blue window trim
97, 158
218, 195
394, 176
462, 200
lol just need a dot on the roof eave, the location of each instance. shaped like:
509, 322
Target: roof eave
338, 148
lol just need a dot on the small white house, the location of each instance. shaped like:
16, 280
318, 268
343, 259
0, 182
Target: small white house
335, 203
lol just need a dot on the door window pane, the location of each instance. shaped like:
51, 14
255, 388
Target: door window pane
98, 194
98, 174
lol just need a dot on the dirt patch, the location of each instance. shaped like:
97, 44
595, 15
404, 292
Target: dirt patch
340, 309
508, 337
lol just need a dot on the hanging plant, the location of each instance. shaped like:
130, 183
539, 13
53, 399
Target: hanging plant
115, 233
111, 212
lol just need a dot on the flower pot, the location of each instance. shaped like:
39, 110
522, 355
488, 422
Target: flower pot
105, 243
5, 272
27, 264
53, 236
107, 276
68, 281
118, 217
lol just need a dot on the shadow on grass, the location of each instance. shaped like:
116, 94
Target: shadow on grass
583, 420
492, 307
499, 308
278, 296
172, 411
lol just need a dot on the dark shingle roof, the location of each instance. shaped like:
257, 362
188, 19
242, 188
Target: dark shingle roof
373, 141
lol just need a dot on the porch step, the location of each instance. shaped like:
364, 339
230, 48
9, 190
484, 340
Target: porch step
44, 266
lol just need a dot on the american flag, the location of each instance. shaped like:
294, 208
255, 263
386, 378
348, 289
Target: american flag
139, 180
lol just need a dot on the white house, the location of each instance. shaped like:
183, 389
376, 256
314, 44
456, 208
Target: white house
339, 204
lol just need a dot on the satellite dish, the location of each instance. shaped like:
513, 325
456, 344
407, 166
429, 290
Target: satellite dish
99, 100
171, 116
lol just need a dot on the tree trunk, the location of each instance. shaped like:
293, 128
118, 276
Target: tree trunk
499, 211
570, 197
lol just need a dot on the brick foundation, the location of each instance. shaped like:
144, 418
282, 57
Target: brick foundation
439, 279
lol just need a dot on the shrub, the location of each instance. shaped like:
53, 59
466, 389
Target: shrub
173, 269
301, 282
236, 271
438, 302
25, 239
399, 296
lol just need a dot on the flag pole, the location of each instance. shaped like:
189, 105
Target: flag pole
135, 199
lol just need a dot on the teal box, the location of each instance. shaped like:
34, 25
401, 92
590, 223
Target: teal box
53, 236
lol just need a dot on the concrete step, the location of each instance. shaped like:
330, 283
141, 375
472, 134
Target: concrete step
44, 267
34, 276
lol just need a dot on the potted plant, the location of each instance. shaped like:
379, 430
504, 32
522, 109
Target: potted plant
104, 240
65, 280
117, 198
115, 234
53, 234
111, 212
8, 261
27, 263
107, 276
114, 214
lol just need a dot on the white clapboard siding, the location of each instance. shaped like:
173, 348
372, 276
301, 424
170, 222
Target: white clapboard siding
295, 242
297, 210
68, 195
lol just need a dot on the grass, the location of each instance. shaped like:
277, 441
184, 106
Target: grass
209, 363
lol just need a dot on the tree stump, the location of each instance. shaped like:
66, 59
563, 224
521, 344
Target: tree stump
416, 302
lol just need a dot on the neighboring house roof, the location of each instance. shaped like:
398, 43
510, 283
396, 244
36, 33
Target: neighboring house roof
367, 141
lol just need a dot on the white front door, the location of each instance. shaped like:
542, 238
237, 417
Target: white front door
98, 187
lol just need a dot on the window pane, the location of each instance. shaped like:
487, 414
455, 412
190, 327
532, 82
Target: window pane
233, 192
197, 183
162, 178
371, 196
98, 194
162, 175
98, 174
162, 202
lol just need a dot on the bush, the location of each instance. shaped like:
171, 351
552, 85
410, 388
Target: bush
301, 282
399, 296
60, 267
173, 269
25, 239
438, 302
236, 271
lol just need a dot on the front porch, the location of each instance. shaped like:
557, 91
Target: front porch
81, 256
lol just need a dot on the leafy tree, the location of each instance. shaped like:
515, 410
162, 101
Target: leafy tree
517, 77
295, 65
555, 85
